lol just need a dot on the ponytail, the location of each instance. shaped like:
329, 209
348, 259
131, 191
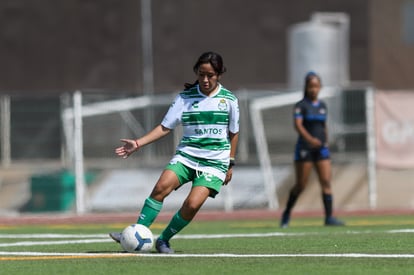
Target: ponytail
188, 86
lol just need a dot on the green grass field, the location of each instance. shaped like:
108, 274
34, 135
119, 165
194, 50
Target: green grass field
367, 245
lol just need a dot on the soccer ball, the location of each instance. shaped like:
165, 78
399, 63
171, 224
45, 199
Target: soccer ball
137, 238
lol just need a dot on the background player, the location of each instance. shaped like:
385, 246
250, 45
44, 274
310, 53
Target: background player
209, 114
310, 115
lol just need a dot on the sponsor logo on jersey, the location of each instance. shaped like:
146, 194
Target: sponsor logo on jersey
208, 131
222, 105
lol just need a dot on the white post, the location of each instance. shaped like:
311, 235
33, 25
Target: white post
147, 64
371, 148
146, 38
264, 158
228, 198
243, 145
78, 154
5, 130
68, 134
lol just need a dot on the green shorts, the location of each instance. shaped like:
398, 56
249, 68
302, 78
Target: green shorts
186, 174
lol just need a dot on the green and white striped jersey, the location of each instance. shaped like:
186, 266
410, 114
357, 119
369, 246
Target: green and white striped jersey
206, 122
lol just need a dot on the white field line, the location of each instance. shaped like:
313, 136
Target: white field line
218, 255
101, 238
401, 231
190, 236
52, 236
55, 242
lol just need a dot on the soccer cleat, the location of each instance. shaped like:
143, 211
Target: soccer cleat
163, 246
116, 236
332, 221
284, 223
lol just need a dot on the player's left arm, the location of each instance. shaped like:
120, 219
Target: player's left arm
234, 140
326, 128
233, 136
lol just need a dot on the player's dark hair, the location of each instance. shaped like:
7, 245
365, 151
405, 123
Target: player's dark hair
308, 78
208, 57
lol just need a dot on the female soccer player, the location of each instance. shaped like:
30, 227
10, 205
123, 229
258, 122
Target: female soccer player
209, 114
311, 149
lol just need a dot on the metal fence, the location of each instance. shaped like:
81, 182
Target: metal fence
37, 134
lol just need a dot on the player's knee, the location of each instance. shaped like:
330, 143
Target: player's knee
160, 192
298, 188
191, 206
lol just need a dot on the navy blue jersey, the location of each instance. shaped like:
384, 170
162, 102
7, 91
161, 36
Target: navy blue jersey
314, 119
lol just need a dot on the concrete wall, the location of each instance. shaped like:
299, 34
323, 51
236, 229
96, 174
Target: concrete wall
392, 57
50, 46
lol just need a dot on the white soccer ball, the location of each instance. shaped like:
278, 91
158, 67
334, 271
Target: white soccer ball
137, 238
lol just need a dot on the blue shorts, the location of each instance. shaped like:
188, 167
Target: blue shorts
306, 154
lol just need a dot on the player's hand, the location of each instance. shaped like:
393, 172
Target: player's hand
229, 175
315, 143
130, 146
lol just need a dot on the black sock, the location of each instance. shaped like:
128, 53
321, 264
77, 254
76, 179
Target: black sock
291, 201
327, 203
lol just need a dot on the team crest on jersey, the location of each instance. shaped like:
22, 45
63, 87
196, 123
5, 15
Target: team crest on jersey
322, 111
303, 153
222, 105
195, 104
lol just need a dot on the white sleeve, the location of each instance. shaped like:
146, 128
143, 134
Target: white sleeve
173, 116
234, 117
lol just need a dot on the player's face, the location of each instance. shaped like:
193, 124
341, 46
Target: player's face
207, 78
313, 88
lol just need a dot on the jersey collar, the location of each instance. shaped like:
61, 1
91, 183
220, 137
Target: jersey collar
213, 94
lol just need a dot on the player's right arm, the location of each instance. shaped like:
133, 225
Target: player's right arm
312, 141
154, 135
132, 145
171, 119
